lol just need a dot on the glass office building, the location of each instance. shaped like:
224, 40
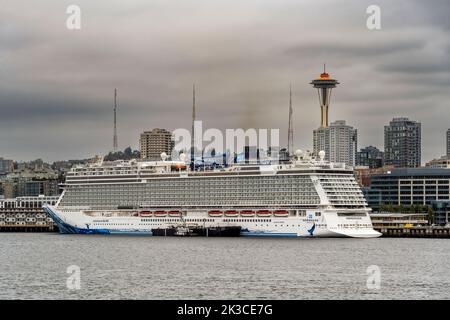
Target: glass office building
409, 186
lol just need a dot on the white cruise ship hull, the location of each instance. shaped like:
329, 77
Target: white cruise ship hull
323, 223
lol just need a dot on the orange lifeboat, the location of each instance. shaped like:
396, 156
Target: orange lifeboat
231, 213
145, 213
160, 213
281, 213
247, 213
177, 167
264, 213
174, 213
215, 213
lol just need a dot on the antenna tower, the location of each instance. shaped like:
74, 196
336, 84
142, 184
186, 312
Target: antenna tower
291, 126
115, 122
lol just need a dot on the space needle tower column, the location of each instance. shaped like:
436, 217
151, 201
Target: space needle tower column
324, 86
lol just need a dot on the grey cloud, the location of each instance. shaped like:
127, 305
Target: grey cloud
33, 107
436, 12
13, 38
354, 47
57, 85
418, 68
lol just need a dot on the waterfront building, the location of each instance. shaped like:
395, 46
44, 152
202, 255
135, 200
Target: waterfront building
371, 157
443, 162
153, 143
408, 186
26, 212
441, 212
28, 202
381, 220
402, 143
339, 141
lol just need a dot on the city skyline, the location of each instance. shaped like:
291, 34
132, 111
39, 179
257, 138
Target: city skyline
56, 104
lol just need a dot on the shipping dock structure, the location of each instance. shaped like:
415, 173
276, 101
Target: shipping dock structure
26, 214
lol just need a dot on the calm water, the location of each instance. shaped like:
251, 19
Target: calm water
34, 266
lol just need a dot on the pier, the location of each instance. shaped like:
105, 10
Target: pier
28, 228
25, 214
416, 232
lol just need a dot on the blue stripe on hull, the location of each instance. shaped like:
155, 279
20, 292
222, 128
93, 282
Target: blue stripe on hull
131, 232
268, 234
68, 229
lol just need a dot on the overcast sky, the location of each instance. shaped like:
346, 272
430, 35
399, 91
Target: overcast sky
57, 85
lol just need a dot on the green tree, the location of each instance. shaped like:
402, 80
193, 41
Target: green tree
430, 215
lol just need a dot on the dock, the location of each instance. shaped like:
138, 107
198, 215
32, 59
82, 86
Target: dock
26, 214
415, 232
29, 228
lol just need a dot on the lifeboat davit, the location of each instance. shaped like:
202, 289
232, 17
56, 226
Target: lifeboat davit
247, 213
160, 213
264, 213
174, 214
215, 213
281, 213
231, 213
145, 213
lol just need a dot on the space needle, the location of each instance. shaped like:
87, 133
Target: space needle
324, 86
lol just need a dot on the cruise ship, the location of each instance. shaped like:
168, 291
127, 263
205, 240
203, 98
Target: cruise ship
306, 197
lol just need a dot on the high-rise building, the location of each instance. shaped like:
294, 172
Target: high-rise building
448, 143
370, 157
6, 166
153, 143
339, 141
402, 143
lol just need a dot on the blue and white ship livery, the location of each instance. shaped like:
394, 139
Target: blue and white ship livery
307, 197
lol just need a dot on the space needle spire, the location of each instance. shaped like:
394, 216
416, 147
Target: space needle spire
324, 85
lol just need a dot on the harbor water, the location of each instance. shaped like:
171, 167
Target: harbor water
41, 266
